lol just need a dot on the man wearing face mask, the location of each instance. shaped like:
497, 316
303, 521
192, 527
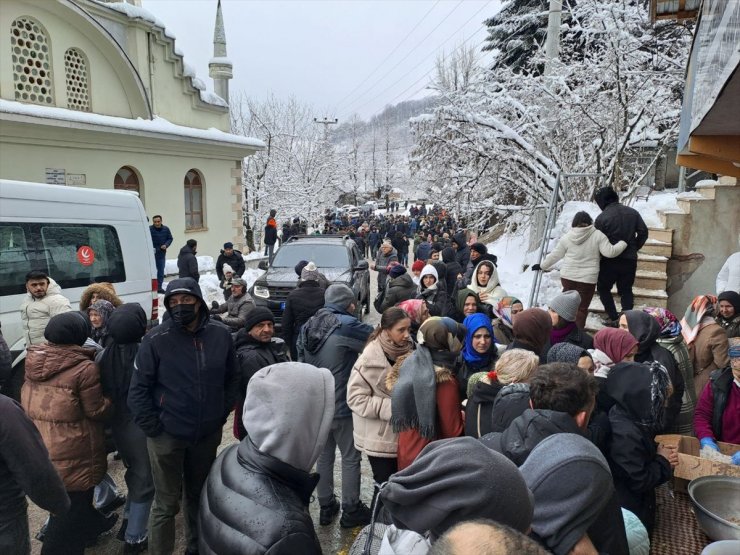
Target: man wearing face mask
184, 385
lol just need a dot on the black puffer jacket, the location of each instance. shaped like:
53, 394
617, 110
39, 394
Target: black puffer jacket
510, 404
401, 288
302, 303
479, 408
620, 223
236, 261
187, 264
453, 270
272, 499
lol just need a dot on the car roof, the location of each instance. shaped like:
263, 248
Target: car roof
331, 239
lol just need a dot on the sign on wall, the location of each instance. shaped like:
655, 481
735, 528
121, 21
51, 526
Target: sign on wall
56, 176
76, 179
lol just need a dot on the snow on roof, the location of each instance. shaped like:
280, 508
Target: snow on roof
137, 12
156, 125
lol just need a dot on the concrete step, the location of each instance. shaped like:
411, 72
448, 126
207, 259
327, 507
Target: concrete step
645, 279
655, 247
660, 234
643, 298
686, 203
671, 218
651, 262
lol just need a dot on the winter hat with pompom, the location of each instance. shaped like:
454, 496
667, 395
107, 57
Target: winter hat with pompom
310, 272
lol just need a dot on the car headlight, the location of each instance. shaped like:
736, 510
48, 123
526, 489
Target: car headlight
262, 292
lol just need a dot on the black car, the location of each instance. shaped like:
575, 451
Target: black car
336, 256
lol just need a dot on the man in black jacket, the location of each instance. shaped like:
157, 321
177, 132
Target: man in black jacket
187, 263
25, 469
255, 348
562, 397
257, 495
183, 387
231, 257
619, 223
302, 303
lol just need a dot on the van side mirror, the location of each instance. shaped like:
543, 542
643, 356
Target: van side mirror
362, 265
263, 265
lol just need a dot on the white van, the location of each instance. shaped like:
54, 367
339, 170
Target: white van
77, 236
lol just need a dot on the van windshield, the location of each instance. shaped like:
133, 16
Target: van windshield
324, 256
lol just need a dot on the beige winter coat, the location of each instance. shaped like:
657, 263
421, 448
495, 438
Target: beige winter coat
581, 250
370, 403
708, 352
36, 313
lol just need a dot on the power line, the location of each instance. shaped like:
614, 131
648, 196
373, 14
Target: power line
408, 35
418, 44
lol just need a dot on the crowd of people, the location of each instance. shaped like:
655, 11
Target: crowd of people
484, 422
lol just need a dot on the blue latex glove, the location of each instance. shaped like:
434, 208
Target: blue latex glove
736, 458
708, 442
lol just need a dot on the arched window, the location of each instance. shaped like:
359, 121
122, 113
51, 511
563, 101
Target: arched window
77, 77
32, 77
127, 178
194, 200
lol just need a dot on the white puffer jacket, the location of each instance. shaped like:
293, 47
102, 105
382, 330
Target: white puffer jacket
36, 313
581, 250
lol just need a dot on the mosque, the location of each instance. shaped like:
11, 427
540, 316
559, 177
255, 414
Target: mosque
97, 94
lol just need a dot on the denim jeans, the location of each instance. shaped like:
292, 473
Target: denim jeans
160, 259
340, 436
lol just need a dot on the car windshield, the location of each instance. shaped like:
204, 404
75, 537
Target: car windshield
324, 256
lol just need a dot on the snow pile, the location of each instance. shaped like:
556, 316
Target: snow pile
205, 264
156, 125
648, 209
253, 255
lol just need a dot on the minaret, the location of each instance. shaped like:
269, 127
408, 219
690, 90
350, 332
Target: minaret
219, 68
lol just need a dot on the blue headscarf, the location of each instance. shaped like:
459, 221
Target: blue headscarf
472, 324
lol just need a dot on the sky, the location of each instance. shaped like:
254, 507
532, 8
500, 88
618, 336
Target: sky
341, 56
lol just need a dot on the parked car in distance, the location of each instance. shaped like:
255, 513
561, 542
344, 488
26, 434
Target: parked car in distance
336, 256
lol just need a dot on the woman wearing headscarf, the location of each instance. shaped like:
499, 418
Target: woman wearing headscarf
504, 312
417, 310
432, 293
612, 346
425, 398
706, 340
479, 351
63, 397
485, 282
728, 313
647, 330
99, 312
126, 327
501, 395
572, 354
531, 329
671, 339
368, 397
467, 303
639, 393
581, 250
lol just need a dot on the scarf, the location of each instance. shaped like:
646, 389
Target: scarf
602, 363
560, 335
442, 334
694, 319
414, 396
669, 325
392, 350
103, 308
472, 324
412, 307
614, 343
503, 310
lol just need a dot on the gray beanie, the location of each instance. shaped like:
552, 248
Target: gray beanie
454, 480
571, 483
566, 305
289, 411
566, 352
339, 295
310, 272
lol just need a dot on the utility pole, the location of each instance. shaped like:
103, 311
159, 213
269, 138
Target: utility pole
552, 45
326, 122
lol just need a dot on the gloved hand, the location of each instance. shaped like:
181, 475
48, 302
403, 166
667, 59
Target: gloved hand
536, 268
708, 442
736, 458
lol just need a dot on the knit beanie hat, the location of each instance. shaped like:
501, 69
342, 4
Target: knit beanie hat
228, 245
615, 343
480, 248
256, 315
226, 269
417, 266
340, 295
396, 270
310, 272
454, 480
437, 247
571, 484
566, 352
532, 327
299, 267
731, 297
68, 328
566, 305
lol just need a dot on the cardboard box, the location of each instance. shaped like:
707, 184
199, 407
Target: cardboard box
691, 466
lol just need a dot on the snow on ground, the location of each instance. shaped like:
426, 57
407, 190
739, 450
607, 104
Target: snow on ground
660, 200
205, 264
253, 255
